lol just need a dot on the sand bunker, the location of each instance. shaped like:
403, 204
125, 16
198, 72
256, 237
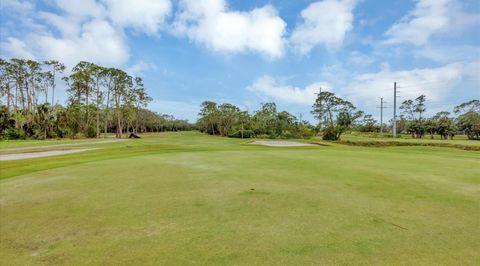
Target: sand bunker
28, 155
281, 143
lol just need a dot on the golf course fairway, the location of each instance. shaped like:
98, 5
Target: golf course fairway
193, 199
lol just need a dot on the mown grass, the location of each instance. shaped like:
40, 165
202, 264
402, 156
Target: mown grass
192, 199
365, 137
9, 144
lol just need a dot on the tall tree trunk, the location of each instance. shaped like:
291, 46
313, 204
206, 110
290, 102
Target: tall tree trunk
28, 96
119, 121
98, 122
53, 87
135, 131
22, 98
8, 98
98, 111
87, 118
106, 114
330, 117
118, 134
15, 106
242, 130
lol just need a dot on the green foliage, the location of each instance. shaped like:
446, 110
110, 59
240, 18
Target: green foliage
228, 120
14, 133
331, 133
368, 124
335, 115
469, 119
92, 90
470, 124
245, 134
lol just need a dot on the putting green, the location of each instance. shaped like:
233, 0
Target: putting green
188, 198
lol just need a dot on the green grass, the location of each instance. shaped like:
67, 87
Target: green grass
192, 199
458, 140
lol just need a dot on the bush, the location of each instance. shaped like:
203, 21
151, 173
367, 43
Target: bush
38, 133
91, 132
330, 133
306, 133
246, 134
14, 133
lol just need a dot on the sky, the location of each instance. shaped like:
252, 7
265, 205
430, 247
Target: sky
251, 52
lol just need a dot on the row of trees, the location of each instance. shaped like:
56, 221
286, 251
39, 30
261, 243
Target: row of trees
335, 116
413, 122
100, 100
228, 120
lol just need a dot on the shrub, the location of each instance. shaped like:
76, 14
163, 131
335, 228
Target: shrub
14, 133
246, 134
91, 132
330, 133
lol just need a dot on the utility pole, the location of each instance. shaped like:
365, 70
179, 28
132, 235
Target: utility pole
381, 114
394, 130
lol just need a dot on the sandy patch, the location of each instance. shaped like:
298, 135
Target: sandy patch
28, 155
281, 143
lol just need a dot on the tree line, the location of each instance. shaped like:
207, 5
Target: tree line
100, 100
228, 120
444, 123
335, 116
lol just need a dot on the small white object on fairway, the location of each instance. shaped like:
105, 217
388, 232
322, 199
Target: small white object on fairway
281, 143
28, 155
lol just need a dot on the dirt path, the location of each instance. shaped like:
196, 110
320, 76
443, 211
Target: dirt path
28, 155
281, 143
62, 145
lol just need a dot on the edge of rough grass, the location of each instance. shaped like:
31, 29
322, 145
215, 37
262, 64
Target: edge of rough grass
374, 143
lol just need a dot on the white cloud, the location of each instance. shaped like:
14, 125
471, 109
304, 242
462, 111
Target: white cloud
323, 23
16, 48
211, 23
19, 6
138, 69
360, 59
143, 15
445, 53
81, 8
87, 30
364, 90
435, 83
97, 42
430, 17
65, 25
272, 89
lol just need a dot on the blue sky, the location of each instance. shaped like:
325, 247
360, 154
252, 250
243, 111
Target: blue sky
249, 52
